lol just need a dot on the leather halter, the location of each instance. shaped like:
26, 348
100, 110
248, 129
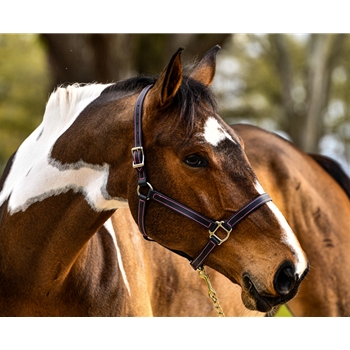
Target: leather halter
212, 225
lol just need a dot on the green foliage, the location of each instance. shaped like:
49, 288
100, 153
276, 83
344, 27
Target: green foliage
24, 81
250, 89
259, 97
283, 312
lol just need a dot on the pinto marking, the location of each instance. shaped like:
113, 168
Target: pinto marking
214, 133
34, 175
109, 227
289, 237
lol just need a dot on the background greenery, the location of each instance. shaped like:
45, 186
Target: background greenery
24, 78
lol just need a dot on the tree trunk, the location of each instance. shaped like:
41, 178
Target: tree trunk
305, 126
325, 50
104, 58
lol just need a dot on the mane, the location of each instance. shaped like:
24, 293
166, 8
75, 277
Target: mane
335, 170
188, 99
66, 102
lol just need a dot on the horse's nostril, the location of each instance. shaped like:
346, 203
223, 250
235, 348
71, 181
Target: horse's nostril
285, 279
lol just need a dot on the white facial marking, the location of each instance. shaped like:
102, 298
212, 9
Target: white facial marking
289, 237
214, 133
109, 227
34, 176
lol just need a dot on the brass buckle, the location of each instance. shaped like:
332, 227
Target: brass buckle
212, 233
139, 165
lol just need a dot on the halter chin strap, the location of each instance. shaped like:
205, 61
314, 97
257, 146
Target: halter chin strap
212, 225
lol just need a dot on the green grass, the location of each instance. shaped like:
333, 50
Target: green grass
283, 312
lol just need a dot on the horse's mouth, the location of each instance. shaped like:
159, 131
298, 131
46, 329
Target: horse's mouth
254, 300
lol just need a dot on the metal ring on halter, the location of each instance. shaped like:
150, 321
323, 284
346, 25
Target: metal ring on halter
150, 189
212, 233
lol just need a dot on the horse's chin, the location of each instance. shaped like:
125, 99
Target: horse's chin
253, 300
256, 302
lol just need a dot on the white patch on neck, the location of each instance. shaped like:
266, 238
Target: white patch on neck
109, 227
214, 133
34, 176
289, 237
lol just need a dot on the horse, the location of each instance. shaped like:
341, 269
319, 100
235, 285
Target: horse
187, 182
312, 192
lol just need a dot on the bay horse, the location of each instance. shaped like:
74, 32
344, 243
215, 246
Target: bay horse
313, 193
187, 182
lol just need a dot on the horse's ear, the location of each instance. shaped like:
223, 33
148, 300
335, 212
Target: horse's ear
168, 82
205, 70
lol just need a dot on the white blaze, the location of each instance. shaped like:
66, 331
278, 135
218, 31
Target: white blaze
289, 237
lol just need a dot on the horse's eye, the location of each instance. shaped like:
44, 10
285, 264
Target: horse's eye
196, 161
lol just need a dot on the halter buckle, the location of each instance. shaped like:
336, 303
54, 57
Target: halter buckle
142, 163
218, 225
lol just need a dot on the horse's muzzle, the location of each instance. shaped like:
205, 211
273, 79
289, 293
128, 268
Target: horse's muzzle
286, 285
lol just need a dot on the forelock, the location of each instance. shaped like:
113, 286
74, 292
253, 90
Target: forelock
192, 99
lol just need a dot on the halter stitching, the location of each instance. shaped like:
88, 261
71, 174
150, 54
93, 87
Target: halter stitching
154, 195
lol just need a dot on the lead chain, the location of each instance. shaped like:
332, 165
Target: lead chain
211, 292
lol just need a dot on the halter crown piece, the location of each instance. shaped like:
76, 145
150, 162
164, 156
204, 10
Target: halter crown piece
213, 226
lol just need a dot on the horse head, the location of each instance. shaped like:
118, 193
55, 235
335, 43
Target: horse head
199, 162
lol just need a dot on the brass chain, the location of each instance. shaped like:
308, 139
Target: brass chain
211, 292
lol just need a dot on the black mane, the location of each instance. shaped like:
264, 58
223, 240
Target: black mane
189, 98
335, 170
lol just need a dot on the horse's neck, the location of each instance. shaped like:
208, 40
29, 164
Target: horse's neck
59, 185
50, 258
56, 193
51, 163
48, 233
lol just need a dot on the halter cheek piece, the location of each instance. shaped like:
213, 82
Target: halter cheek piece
211, 225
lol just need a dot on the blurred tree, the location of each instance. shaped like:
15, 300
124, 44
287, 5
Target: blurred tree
24, 81
112, 57
292, 83
322, 55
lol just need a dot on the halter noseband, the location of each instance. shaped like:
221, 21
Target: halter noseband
212, 225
